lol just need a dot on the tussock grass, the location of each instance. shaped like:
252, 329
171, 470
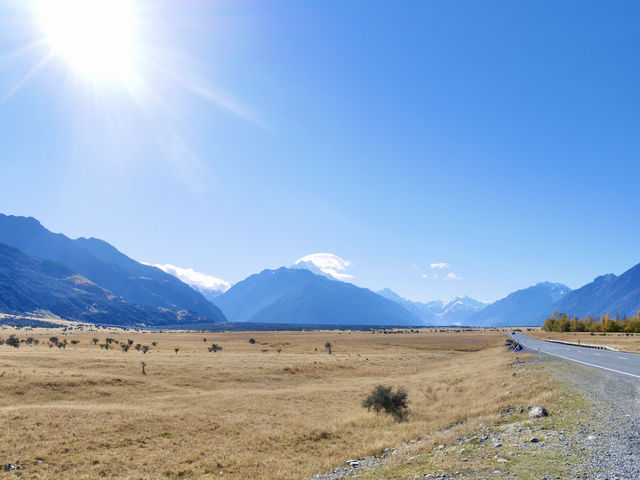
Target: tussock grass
248, 413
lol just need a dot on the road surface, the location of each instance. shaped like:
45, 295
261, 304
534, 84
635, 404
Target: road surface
623, 363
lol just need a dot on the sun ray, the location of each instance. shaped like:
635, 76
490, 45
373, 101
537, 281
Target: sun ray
27, 76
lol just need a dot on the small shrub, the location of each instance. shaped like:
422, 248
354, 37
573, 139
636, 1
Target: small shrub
95, 341
215, 347
252, 341
328, 347
385, 399
13, 341
145, 348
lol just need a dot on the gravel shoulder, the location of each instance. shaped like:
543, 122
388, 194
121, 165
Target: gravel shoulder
593, 432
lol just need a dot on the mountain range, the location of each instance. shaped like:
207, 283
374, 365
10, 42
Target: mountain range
437, 312
615, 295
105, 266
88, 279
29, 284
297, 295
521, 308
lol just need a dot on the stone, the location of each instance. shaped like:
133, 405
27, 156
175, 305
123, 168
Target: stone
537, 412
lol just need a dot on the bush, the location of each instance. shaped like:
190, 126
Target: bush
384, 399
215, 347
13, 341
252, 341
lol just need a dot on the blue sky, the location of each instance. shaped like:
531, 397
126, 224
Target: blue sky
498, 137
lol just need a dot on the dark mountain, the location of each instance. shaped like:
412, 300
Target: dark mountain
615, 295
29, 284
522, 308
104, 265
298, 296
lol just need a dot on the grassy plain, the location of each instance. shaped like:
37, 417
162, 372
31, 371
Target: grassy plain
625, 342
281, 408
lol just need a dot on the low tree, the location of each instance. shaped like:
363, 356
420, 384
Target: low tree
328, 347
95, 341
125, 347
145, 348
252, 341
215, 347
383, 398
176, 350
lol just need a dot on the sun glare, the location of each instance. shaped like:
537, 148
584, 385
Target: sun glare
96, 37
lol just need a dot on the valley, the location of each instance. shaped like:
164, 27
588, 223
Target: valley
281, 407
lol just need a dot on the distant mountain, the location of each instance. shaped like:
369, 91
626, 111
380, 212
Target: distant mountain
427, 312
104, 265
459, 310
29, 284
615, 295
298, 296
437, 312
526, 307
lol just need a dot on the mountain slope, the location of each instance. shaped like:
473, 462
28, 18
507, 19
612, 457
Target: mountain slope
427, 312
615, 295
298, 296
104, 265
521, 308
28, 284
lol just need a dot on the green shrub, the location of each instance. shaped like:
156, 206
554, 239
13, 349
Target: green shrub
383, 398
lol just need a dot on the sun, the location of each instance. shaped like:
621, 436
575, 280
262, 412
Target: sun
95, 37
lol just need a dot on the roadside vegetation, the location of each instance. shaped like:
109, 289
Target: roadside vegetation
560, 322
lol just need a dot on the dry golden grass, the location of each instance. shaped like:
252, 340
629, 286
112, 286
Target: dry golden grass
245, 412
619, 341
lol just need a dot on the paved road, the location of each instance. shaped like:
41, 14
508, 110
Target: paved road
618, 362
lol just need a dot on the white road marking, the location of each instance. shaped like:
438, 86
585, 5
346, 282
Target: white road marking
585, 363
623, 358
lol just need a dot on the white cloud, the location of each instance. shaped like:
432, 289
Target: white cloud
199, 280
426, 275
440, 266
329, 264
452, 276
414, 266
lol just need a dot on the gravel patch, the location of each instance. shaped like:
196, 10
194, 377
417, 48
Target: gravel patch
612, 435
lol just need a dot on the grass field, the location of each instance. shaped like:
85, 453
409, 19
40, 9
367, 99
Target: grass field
280, 408
620, 341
